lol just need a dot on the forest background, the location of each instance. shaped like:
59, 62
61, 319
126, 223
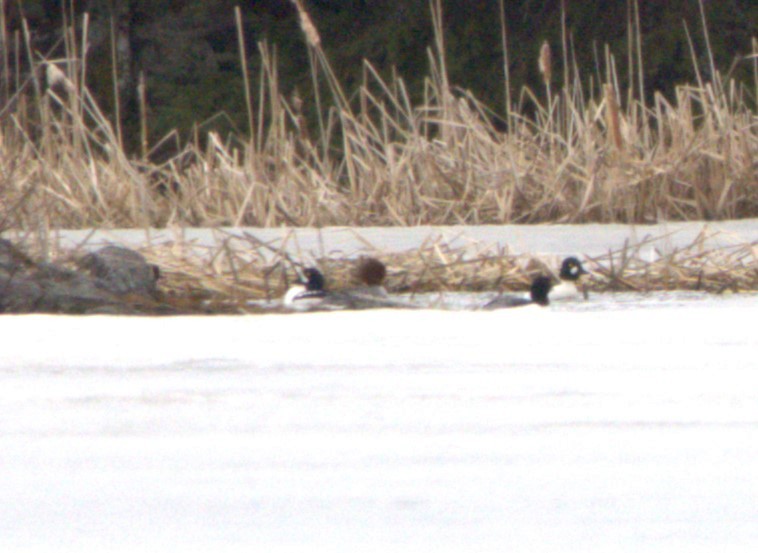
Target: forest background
189, 49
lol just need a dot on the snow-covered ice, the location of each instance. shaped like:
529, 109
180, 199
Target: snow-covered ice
553, 240
607, 426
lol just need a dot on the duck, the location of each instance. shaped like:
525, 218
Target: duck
308, 294
371, 293
569, 276
371, 273
538, 295
311, 293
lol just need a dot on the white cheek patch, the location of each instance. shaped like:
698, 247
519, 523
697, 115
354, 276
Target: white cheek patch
574, 270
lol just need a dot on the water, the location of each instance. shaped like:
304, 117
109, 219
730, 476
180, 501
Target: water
626, 423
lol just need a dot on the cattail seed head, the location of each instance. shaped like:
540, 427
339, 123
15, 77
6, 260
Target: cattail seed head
57, 78
545, 63
306, 24
613, 117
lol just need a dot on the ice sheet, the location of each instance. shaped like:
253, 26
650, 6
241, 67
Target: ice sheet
547, 240
609, 426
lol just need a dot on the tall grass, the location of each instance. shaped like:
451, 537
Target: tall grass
586, 154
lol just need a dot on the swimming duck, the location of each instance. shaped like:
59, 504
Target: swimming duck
370, 273
538, 295
570, 274
370, 294
311, 294
308, 294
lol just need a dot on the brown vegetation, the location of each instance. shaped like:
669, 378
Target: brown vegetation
239, 271
588, 155
600, 155
226, 277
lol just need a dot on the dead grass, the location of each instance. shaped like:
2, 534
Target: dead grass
593, 153
238, 270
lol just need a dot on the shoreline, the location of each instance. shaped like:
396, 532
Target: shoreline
210, 271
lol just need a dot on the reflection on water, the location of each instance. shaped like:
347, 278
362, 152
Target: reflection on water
605, 301
597, 301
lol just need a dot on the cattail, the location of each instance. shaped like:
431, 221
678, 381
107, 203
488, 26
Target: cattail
613, 118
56, 77
545, 63
142, 99
297, 110
309, 29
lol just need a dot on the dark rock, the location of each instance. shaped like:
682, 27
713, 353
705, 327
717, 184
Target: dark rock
68, 291
48, 288
13, 259
18, 293
121, 271
115, 281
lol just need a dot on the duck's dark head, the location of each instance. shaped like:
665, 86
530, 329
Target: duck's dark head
540, 289
571, 269
314, 280
371, 271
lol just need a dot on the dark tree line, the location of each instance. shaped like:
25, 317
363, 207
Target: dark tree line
188, 50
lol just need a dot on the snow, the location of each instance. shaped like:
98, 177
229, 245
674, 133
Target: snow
612, 425
556, 240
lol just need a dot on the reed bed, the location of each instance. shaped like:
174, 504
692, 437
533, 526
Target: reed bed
240, 270
588, 152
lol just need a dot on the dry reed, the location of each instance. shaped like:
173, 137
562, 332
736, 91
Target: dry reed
228, 276
612, 116
239, 270
690, 157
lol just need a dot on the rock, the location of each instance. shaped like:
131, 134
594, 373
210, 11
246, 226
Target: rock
121, 271
13, 259
68, 291
47, 288
114, 280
